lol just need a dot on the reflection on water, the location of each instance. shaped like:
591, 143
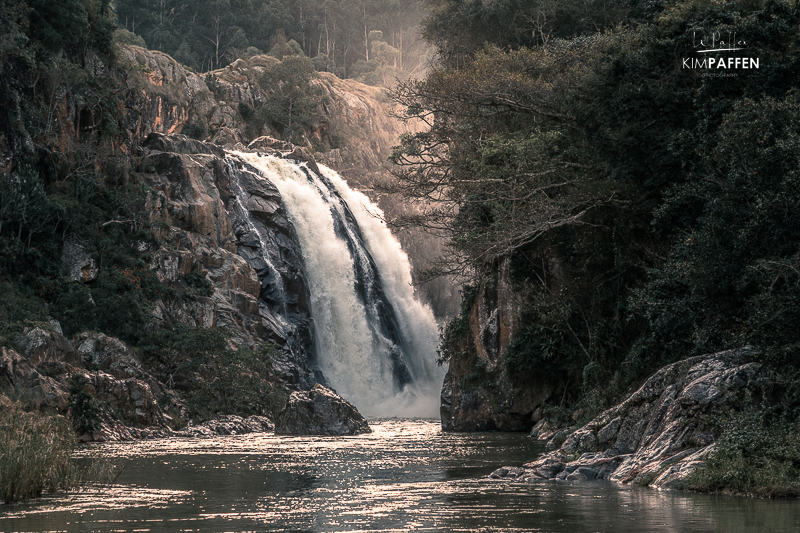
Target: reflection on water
406, 476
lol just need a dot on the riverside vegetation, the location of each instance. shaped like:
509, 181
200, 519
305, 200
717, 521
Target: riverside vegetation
35, 456
613, 211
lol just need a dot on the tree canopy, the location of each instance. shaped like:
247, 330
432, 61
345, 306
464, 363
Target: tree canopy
646, 209
209, 34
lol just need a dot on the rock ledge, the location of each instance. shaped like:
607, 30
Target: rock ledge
661, 434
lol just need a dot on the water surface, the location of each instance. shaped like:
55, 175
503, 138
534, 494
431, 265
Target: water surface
405, 476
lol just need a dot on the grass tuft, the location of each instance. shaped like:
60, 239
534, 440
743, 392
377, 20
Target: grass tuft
35, 456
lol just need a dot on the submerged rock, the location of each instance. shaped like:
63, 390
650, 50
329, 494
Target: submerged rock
229, 425
661, 434
319, 411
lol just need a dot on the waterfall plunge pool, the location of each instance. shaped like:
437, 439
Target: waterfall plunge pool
405, 476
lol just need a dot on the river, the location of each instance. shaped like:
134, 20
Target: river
405, 476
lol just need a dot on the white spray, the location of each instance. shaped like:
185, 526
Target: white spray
354, 355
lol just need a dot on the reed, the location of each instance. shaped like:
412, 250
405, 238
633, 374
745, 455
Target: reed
35, 456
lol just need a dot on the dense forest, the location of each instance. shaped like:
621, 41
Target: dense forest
645, 211
371, 40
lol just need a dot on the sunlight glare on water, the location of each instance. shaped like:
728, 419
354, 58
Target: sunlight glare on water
405, 476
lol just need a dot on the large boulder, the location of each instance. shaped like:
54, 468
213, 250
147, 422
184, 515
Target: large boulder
319, 411
660, 434
18, 373
107, 354
42, 346
131, 399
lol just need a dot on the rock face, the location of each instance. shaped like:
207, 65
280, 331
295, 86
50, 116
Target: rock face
116, 379
661, 433
80, 264
319, 411
109, 355
478, 393
48, 347
166, 98
229, 224
225, 245
19, 374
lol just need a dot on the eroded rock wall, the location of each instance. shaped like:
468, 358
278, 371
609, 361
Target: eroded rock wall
479, 392
218, 218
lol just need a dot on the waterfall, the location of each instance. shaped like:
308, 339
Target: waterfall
375, 342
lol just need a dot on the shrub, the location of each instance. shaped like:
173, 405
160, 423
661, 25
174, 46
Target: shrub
757, 455
83, 407
237, 382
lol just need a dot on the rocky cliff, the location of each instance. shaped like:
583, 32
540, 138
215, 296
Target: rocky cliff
216, 220
210, 248
354, 136
479, 391
356, 132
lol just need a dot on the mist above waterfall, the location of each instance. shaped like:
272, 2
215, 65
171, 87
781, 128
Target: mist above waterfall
375, 341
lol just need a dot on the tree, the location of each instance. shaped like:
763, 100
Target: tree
733, 275
502, 161
294, 104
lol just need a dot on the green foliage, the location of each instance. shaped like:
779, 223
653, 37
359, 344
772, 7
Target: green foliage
72, 25
123, 36
283, 48
295, 102
479, 377
646, 213
210, 34
199, 285
756, 456
459, 28
19, 308
35, 455
25, 208
732, 276
196, 129
182, 349
237, 382
456, 333
84, 409
212, 82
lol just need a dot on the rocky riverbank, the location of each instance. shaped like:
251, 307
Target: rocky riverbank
661, 434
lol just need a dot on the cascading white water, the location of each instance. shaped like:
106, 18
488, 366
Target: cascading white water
353, 264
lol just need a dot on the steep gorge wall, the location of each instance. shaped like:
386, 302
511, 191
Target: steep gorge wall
480, 392
212, 221
219, 220
356, 133
168, 97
